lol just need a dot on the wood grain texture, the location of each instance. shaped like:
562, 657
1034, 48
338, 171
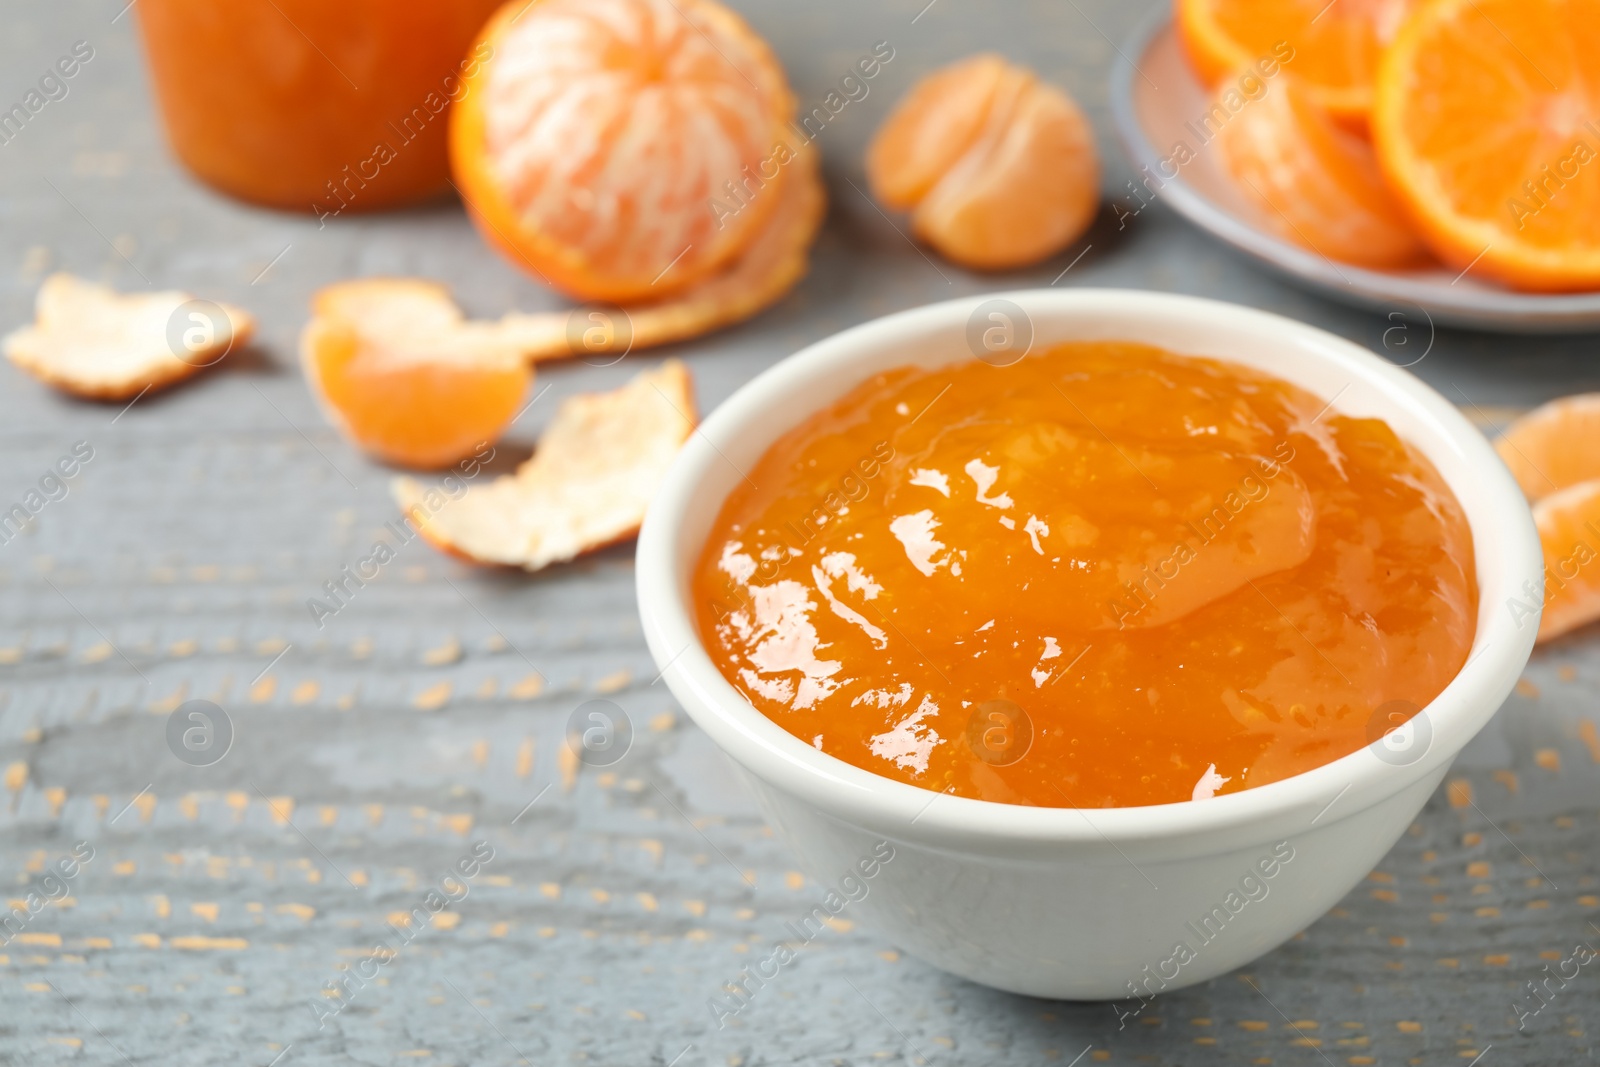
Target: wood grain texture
370, 754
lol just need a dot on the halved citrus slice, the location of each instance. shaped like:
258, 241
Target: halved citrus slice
1332, 46
405, 376
619, 149
1486, 125
1554, 445
999, 168
1313, 181
1569, 531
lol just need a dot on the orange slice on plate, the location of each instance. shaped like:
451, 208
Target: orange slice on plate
587, 486
1569, 531
621, 149
998, 168
1314, 182
402, 373
1487, 124
1554, 446
1332, 46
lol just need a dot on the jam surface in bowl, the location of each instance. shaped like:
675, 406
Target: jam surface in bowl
1104, 575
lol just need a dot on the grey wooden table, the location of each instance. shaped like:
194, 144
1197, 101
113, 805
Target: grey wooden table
220, 907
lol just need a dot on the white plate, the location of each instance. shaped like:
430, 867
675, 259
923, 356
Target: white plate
1154, 94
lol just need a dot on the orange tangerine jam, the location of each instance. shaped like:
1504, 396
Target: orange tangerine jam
1104, 575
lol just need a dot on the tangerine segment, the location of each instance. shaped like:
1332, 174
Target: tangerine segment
1569, 531
1314, 182
405, 380
1000, 168
1333, 48
1487, 134
396, 305
1554, 446
597, 144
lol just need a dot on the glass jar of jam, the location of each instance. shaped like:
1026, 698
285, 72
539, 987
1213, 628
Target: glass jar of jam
313, 105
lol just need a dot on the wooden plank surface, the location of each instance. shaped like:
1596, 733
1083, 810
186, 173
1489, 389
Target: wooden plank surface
370, 756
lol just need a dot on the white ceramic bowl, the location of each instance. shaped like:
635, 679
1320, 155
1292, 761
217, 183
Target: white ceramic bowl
1092, 904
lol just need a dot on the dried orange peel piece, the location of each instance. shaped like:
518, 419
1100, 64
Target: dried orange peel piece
94, 342
1569, 531
587, 486
1314, 182
1554, 446
591, 147
1332, 48
998, 168
1486, 129
405, 376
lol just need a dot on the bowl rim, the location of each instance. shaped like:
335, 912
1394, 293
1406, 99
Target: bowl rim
1501, 644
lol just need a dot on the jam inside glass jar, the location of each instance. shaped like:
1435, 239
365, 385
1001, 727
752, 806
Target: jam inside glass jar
310, 105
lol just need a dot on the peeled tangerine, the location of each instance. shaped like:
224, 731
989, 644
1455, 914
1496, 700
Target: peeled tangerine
1312, 181
595, 143
997, 168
